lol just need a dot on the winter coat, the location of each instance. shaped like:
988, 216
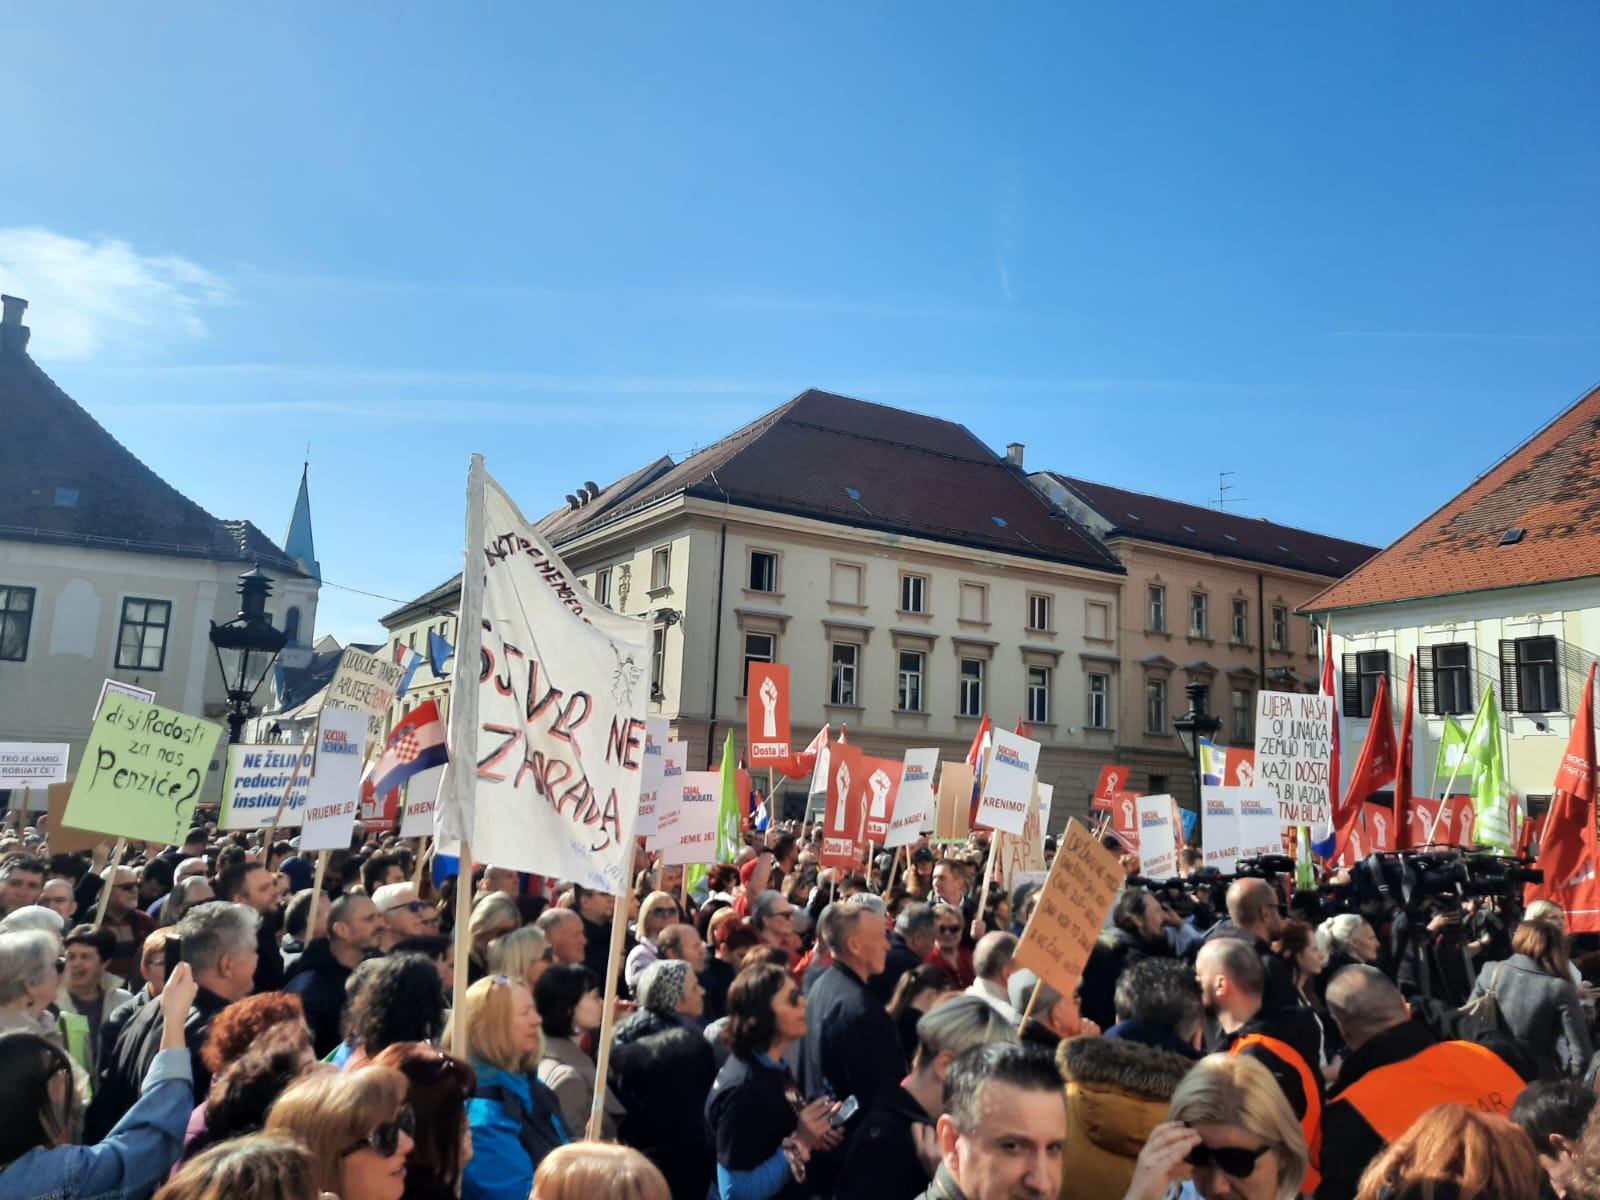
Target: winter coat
1539, 1010
1117, 1092
662, 1069
319, 980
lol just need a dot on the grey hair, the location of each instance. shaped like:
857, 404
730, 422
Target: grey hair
915, 919
512, 953
838, 921
992, 954
869, 901
35, 919
1334, 934
211, 931
761, 907
959, 1024
25, 956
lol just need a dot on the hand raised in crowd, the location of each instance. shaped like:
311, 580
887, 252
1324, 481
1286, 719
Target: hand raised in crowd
814, 1132
1161, 1160
176, 999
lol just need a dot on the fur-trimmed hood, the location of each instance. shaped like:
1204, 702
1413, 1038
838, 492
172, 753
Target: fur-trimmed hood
1146, 1071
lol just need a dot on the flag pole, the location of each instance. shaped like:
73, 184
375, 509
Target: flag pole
294, 771
463, 940
107, 884
608, 1012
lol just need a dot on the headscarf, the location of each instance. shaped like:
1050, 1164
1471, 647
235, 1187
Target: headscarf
662, 985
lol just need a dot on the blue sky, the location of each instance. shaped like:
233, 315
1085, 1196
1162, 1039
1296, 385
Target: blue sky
1347, 252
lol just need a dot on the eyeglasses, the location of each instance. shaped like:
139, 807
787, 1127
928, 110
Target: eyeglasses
385, 1139
948, 928
1231, 1160
409, 905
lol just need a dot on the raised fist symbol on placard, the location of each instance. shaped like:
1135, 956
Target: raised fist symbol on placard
768, 694
842, 781
1113, 782
1127, 813
879, 782
1382, 826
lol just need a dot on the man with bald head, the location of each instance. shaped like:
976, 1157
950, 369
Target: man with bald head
1254, 917
1395, 1071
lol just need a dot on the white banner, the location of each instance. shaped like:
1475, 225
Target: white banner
422, 797
1260, 830
335, 792
1219, 827
115, 687
657, 730
692, 835
554, 720
669, 796
33, 764
364, 683
1008, 782
254, 782
1047, 795
1158, 840
1294, 746
913, 803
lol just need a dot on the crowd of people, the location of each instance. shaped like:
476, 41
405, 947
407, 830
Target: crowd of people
200, 1022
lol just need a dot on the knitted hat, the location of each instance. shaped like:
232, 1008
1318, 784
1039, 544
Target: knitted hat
662, 985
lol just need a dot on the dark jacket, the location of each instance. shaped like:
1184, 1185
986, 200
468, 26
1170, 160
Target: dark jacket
124, 1064
1431, 964
319, 981
882, 1163
1114, 952
716, 977
1539, 1010
1298, 1029
662, 1069
269, 974
1278, 991
900, 960
597, 946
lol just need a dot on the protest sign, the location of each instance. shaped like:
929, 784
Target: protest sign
1260, 830
656, 732
951, 823
32, 764
1008, 782
550, 741
334, 793
364, 683
422, 794
1458, 821
141, 772
1294, 745
674, 762
254, 783
914, 808
1220, 827
843, 813
879, 780
768, 733
1125, 820
1158, 840
63, 838
1112, 780
379, 813
1023, 852
115, 687
1072, 907
1241, 770
691, 838
1047, 795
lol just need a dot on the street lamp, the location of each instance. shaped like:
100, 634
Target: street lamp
247, 646
1195, 725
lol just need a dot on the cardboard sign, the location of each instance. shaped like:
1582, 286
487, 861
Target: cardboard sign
364, 683
33, 764
656, 732
335, 790
1294, 746
1241, 769
1008, 782
1219, 823
951, 823
1260, 830
141, 772
1158, 840
674, 764
1125, 820
879, 780
422, 797
63, 838
115, 687
768, 734
1112, 780
1024, 852
1071, 910
844, 812
914, 808
693, 831
253, 783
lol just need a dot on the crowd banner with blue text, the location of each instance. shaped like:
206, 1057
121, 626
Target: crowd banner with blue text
657, 732
335, 790
1158, 839
913, 802
255, 781
422, 794
1008, 782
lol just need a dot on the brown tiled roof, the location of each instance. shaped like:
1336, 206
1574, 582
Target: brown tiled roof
836, 459
64, 479
1195, 527
1548, 487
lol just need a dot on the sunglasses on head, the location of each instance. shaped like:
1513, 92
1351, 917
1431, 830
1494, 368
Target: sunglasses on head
1230, 1160
385, 1139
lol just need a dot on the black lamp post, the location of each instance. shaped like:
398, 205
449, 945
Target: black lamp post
1194, 725
247, 646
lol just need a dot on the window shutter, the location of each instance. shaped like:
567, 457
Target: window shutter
1350, 686
1509, 700
1426, 699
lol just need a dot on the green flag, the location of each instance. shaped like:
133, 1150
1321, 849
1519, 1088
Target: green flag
728, 819
1490, 793
1452, 742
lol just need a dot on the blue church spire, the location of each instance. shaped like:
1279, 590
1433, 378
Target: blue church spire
298, 543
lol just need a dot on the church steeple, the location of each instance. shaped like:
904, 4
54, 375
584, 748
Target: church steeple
298, 543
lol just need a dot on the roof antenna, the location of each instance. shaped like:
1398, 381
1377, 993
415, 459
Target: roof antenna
1223, 488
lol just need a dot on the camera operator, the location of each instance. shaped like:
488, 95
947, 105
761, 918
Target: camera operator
1430, 949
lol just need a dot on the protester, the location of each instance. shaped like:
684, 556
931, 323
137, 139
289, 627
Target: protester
731, 939
521, 954
124, 918
251, 884
1455, 1150
21, 880
401, 1001
441, 952
185, 895
88, 990
657, 911
357, 1126
405, 915
569, 1003
910, 943
56, 895
355, 930
262, 1167
595, 909
29, 980
993, 965
245, 1087
438, 1088
304, 921
1553, 1113
563, 932
588, 1170
917, 992
1256, 915
1135, 934
948, 953
1538, 1001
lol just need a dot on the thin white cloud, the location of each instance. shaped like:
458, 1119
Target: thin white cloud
104, 298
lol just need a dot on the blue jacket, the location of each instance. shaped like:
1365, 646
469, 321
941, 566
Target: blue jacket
501, 1167
130, 1161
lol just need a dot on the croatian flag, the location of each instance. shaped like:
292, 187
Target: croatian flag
416, 744
408, 660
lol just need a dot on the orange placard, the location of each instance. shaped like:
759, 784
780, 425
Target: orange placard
768, 733
1241, 767
842, 815
1072, 908
1125, 820
1112, 781
878, 781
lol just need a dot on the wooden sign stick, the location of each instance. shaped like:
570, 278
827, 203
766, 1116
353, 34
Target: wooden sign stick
106, 884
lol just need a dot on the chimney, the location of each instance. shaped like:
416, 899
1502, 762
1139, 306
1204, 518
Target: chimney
1014, 454
13, 333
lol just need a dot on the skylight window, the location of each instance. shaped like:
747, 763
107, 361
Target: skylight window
1512, 536
1000, 521
66, 497
852, 493
1230, 537
1285, 549
1133, 516
1333, 560
1188, 528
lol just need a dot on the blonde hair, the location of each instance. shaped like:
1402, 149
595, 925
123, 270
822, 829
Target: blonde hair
652, 902
329, 1113
491, 909
264, 1166
488, 1017
580, 1170
514, 952
1230, 1089
1456, 1149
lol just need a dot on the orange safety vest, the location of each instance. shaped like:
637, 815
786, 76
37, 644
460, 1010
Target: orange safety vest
1390, 1098
1311, 1120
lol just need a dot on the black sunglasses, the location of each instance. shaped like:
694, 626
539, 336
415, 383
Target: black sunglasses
412, 905
948, 928
1231, 1160
385, 1139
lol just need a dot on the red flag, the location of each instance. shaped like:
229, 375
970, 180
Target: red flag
1327, 688
803, 763
1568, 850
1403, 771
1375, 767
979, 743
1022, 729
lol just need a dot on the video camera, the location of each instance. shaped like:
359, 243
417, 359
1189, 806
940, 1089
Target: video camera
1430, 879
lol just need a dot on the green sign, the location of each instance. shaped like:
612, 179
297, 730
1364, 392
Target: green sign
141, 772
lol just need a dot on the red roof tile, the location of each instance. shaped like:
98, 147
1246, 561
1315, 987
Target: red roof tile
1548, 487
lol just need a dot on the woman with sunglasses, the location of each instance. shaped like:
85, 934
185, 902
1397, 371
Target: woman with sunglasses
357, 1126
656, 912
440, 1086
1230, 1128
948, 953
39, 1115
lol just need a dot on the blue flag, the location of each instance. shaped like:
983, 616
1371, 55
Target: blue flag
439, 652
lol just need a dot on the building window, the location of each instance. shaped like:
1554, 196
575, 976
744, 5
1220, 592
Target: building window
1361, 678
1538, 677
1199, 615
971, 687
1243, 711
1239, 630
16, 621
763, 571
1155, 706
913, 593
974, 603
1280, 627
1039, 612
842, 689
291, 626
142, 640
1158, 785
660, 568
758, 648
658, 660
845, 584
1452, 678
909, 693
1038, 695
1099, 701
602, 586
1097, 621
1156, 599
